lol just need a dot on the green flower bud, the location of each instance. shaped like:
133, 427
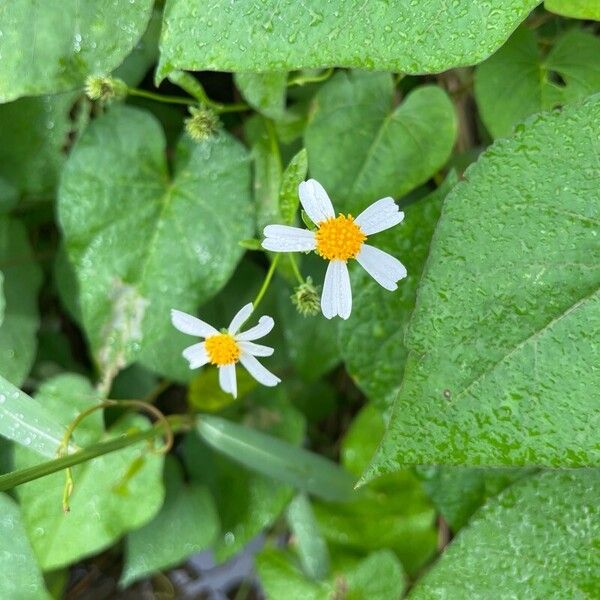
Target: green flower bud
202, 124
102, 88
306, 299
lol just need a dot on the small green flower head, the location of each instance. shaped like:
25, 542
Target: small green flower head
306, 299
202, 124
102, 88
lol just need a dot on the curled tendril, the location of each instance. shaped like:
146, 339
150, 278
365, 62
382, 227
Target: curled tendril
141, 404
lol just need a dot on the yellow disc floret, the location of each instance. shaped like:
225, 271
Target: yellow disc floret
222, 349
339, 238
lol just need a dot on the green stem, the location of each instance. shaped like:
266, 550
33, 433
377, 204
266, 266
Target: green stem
304, 79
265, 286
160, 97
11, 480
295, 269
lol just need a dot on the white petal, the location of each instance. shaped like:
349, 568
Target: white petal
381, 215
283, 238
228, 380
265, 324
191, 325
196, 355
240, 318
384, 268
315, 201
336, 298
260, 373
256, 349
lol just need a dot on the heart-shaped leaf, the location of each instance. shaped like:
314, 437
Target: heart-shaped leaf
142, 241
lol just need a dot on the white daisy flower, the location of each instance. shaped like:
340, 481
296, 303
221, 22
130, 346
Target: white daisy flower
228, 347
338, 239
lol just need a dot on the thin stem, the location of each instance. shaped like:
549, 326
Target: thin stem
304, 79
160, 97
11, 480
265, 286
295, 269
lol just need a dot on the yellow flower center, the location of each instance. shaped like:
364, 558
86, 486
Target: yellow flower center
339, 238
222, 349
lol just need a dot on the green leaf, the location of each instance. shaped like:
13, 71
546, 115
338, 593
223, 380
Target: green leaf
531, 88
550, 525
277, 459
23, 579
267, 170
144, 54
312, 547
247, 502
187, 523
378, 576
577, 9
22, 281
205, 393
27, 422
392, 512
503, 353
458, 492
312, 341
265, 92
362, 147
293, 175
48, 47
34, 133
105, 503
143, 242
425, 37
372, 341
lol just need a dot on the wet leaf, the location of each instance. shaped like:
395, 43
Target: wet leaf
362, 148
550, 524
293, 175
51, 47
504, 338
420, 37
143, 242
25, 581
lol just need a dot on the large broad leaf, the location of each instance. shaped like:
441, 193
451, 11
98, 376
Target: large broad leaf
22, 280
143, 242
113, 493
503, 368
361, 147
419, 37
518, 81
392, 512
187, 523
247, 502
49, 47
372, 341
577, 9
379, 576
34, 133
538, 540
22, 578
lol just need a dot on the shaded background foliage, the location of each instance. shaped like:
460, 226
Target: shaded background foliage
463, 401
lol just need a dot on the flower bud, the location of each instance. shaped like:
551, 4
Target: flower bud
306, 299
202, 124
102, 88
